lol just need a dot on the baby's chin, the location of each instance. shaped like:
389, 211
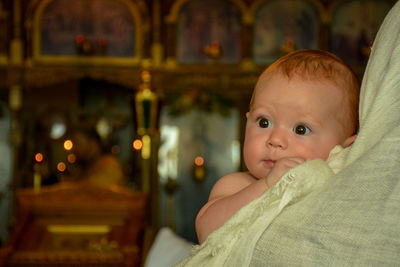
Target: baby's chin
258, 175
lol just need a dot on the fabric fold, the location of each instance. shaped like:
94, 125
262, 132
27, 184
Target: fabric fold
353, 219
225, 246
362, 175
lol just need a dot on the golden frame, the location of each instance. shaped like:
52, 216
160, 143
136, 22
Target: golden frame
172, 19
92, 60
177, 6
323, 16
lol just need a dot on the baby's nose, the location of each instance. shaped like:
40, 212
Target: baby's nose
277, 139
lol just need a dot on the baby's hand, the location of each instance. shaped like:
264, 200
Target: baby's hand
281, 166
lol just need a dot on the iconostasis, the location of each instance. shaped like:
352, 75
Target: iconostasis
166, 84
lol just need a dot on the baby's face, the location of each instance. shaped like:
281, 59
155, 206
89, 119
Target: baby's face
292, 118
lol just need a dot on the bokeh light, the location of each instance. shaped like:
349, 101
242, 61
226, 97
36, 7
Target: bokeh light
39, 157
199, 161
137, 144
68, 145
71, 158
61, 167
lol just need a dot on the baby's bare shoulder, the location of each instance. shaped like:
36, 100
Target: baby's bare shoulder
238, 177
231, 183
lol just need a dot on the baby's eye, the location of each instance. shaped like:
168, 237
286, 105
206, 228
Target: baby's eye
301, 129
264, 123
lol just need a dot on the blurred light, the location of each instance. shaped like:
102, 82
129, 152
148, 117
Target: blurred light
146, 151
37, 180
61, 167
39, 157
103, 128
115, 150
137, 144
199, 170
58, 128
71, 158
168, 153
68, 145
199, 161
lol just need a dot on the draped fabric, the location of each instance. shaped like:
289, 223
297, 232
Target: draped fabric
345, 211
353, 220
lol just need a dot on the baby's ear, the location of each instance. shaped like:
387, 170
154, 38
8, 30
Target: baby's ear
247, 115
349, 140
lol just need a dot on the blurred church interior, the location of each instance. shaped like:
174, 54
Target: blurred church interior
158, 90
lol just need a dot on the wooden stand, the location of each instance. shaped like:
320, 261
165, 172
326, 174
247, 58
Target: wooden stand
77, 224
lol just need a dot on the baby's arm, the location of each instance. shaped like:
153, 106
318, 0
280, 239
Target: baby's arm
234, 191
228, 195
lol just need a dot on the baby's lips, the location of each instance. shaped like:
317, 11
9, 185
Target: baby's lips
270, 163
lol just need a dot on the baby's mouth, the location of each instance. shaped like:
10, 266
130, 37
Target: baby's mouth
270, 163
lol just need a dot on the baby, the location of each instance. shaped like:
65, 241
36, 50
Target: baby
303, 105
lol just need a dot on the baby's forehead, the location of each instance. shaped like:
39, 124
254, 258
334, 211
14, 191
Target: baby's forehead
266, 79
298, 93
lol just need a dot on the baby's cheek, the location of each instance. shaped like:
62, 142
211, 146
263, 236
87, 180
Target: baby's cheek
250, 155
321, 154
308, 153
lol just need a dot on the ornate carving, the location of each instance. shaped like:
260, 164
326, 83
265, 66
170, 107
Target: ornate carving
77, 224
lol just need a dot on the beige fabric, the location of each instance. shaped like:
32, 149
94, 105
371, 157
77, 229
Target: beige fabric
232, 243
313, 217
354, 220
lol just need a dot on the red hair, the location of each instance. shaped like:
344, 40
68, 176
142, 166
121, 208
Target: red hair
319, 65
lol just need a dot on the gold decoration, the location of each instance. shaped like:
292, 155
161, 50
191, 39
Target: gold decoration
204, 101
214, 51
146, 105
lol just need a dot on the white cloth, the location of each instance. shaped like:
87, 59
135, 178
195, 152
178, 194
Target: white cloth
168, 249
353, 220
234, 243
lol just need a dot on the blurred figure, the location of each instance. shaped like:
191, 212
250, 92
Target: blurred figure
92, 163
